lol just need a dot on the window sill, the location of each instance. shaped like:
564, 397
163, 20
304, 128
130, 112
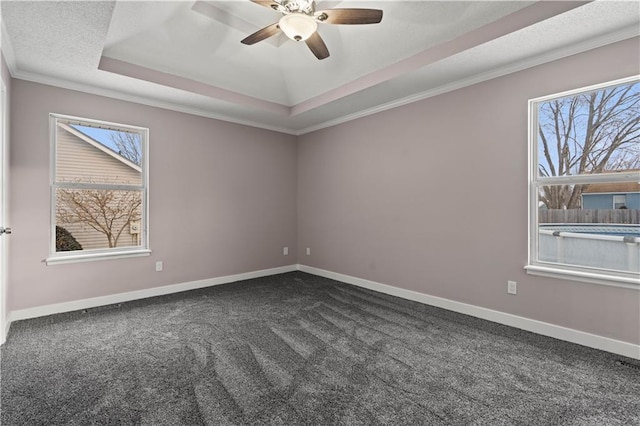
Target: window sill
590, 277
89, 257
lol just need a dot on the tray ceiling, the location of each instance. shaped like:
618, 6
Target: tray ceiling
187, 55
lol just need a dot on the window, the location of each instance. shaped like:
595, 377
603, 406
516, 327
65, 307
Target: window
620, 201
98, 190
584, 185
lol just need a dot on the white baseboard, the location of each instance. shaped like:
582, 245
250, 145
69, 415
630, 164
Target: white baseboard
546, 329
4, 331
93, 302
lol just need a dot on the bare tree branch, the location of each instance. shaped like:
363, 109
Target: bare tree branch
594, 132
107, 211
128, 145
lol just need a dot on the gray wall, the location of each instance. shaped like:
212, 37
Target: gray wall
432, 197
429, 197
222, 199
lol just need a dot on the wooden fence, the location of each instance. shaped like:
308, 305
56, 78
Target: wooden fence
622, 216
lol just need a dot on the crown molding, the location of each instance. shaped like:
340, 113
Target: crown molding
590, 44
138, 72
510, 23
143, 100
554, 55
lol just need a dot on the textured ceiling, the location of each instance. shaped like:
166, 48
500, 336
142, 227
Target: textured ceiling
188, 56
210, 51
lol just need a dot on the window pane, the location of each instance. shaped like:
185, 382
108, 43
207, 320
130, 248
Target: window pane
97, 219
620, 201
590, 133
91, 155
591, 233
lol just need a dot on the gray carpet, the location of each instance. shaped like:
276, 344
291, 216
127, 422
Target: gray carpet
296, 349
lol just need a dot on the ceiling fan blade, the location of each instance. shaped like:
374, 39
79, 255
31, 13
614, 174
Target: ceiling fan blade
260, 35
317, 46
267, 3
349, 16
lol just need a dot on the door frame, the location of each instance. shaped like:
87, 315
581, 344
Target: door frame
4, 208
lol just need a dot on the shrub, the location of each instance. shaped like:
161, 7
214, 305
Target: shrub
65, 241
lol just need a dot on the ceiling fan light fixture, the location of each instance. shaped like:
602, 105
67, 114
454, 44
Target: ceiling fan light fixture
298, 26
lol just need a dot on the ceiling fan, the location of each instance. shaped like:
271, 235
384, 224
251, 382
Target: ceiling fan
300, 22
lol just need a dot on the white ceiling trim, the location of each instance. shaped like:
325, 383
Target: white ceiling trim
203, 72
127, 69
142, 100
515, 21
623, 34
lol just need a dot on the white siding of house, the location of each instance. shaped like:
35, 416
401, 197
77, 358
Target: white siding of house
79, 161
76, 160
92, 239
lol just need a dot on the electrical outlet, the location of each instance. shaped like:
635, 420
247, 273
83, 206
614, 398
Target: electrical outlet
285, 251
308, 251
512, 287
159, 266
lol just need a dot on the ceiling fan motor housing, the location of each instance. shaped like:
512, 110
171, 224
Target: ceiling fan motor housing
300, 22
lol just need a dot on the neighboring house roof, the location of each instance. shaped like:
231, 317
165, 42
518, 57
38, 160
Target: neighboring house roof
612, 187
100, 146
599, 188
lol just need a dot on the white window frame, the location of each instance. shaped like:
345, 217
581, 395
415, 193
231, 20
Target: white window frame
618, 196
565, 271
106, 253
